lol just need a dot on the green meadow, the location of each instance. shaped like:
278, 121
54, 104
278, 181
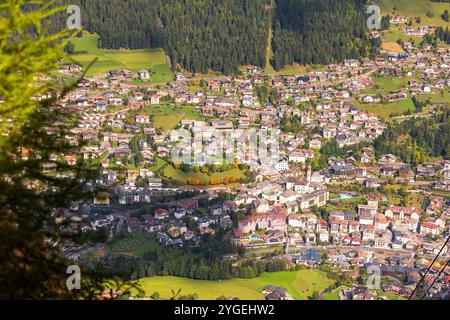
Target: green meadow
395, 33
333, 295
412, 9
87, 50
415, 8
385, 110
167, 117
385, 85
181, 176
299, 284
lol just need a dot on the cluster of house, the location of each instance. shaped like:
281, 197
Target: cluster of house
118, 129
276, 293
399, 272
420, 30
114, 113
170, 226
395, 228
373, 174
428, 74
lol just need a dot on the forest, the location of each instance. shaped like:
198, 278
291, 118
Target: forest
417, 140
205, 262
318, 31
221, 36
443, 35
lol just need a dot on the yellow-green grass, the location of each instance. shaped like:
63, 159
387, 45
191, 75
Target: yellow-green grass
385, 85
159, 163
391, 46
385, 110
438, 97
333, 295
167, 122
343, 204
86, 50
390, 296
296, 69
395, 33
165, 108
167, 117
181, 176
415, 8
415, 200
299, 284
395, 200
269, 53
134, 244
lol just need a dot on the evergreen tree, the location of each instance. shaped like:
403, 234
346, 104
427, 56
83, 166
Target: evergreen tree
34, 186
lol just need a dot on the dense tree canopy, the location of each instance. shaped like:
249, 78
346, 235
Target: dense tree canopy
318, 31
222, 35
36, 182
417, 140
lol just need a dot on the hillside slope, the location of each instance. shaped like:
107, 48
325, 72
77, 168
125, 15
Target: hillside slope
207, 34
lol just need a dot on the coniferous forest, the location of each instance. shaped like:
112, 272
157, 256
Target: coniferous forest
318, 31
222, 35
422, 139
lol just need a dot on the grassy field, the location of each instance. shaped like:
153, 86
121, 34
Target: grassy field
415, 200
179, 175
388, 84
167, 121
384, 110
167, 117
135, 244
438, 97
392, 47
384, 85
296, 69
86, 50
333, 295
159, 163
268, 68
300, 284
182, 176
269, 53
415, 8
396, 33
343, 204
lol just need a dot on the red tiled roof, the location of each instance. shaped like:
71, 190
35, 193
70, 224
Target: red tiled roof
429, 225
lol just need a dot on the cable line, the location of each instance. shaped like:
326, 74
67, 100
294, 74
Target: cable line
437, 277
428, 269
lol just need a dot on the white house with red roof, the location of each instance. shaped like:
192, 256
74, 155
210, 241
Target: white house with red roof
402, 213
161, 214
429, 228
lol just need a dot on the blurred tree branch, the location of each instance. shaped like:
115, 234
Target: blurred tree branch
36, 182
